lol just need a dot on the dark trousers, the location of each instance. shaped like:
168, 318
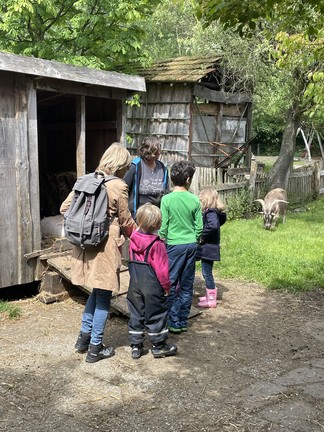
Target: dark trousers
147, 305
182, 259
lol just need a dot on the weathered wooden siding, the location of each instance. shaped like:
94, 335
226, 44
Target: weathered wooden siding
18, 207
165, 112
187, 128
301, 182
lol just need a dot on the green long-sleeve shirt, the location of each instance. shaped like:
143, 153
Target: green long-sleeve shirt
181, 218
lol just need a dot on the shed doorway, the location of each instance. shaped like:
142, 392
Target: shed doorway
57, 142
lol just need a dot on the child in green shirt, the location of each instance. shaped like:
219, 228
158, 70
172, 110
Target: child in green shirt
181, 229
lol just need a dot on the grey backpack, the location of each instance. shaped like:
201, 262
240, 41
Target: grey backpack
86, 222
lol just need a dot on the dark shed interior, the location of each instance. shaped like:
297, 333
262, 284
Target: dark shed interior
56, 119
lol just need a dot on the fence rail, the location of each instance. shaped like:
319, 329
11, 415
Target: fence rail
303, 183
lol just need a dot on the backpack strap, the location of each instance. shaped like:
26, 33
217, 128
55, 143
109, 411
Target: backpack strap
146, 252
165, 179
148, 249
137, 163
107, 179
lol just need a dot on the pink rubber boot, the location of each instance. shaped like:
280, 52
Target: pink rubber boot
211, 299
204, 298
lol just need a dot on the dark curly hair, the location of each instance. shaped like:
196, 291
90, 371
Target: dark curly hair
149, 147
181, 171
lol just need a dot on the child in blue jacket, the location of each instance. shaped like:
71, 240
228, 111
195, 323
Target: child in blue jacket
209, 248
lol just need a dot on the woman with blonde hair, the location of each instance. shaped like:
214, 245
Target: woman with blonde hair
209, 248
97, 268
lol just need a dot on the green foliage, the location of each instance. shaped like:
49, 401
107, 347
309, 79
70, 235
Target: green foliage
168, 28
135, 100
245, 16
95, 33
294, 31
299, 53
239, 205
289, 258
297, 50
11, 310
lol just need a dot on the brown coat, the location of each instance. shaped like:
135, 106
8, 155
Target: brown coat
99, 266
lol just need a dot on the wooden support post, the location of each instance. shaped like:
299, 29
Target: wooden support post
248, 155
253, 173
121, 122
80, 136
219, 176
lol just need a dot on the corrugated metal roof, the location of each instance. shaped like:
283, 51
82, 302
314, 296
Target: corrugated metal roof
180, 69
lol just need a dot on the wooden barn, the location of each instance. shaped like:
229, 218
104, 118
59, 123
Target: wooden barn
56, 121
198, 110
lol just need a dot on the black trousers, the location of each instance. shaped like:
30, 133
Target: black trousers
147, 305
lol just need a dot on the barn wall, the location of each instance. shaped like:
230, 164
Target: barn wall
165, 112
16, 213
218, 129
189, 127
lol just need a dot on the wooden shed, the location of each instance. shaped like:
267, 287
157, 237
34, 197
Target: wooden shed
198, 111
56, 121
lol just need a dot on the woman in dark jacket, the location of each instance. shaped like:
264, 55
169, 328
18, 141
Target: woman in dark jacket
147, 178
209, 248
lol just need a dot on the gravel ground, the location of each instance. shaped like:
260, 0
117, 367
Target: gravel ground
255, 363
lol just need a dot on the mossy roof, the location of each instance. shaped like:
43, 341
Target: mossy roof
181, 69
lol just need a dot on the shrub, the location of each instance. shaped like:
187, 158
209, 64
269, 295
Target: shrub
240, 205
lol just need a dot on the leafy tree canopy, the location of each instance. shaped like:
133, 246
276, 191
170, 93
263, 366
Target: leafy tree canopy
246, 15
295, 33
97, 33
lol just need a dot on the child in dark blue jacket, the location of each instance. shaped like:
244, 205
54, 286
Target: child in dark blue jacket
209, 248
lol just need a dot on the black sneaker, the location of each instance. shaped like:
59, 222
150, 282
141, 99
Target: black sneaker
164, 350
137, 351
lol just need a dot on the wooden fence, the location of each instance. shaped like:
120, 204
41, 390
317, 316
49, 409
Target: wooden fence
304, 182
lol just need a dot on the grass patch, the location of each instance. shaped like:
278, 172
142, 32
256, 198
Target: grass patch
291, 257
11, 310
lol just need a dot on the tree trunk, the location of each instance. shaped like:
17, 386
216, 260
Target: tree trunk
279, 173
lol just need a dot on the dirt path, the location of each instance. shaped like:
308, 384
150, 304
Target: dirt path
255, 363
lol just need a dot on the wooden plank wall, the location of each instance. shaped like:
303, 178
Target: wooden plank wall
165, 112
185, 128
16, 217
8, 227
301, 182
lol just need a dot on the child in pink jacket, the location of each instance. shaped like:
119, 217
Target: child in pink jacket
149, 284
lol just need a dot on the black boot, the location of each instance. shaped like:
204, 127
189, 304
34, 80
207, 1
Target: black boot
82, 343
164, 350
99, 352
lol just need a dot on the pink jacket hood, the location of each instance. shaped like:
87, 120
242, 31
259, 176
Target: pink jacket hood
157, 258
139, 241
